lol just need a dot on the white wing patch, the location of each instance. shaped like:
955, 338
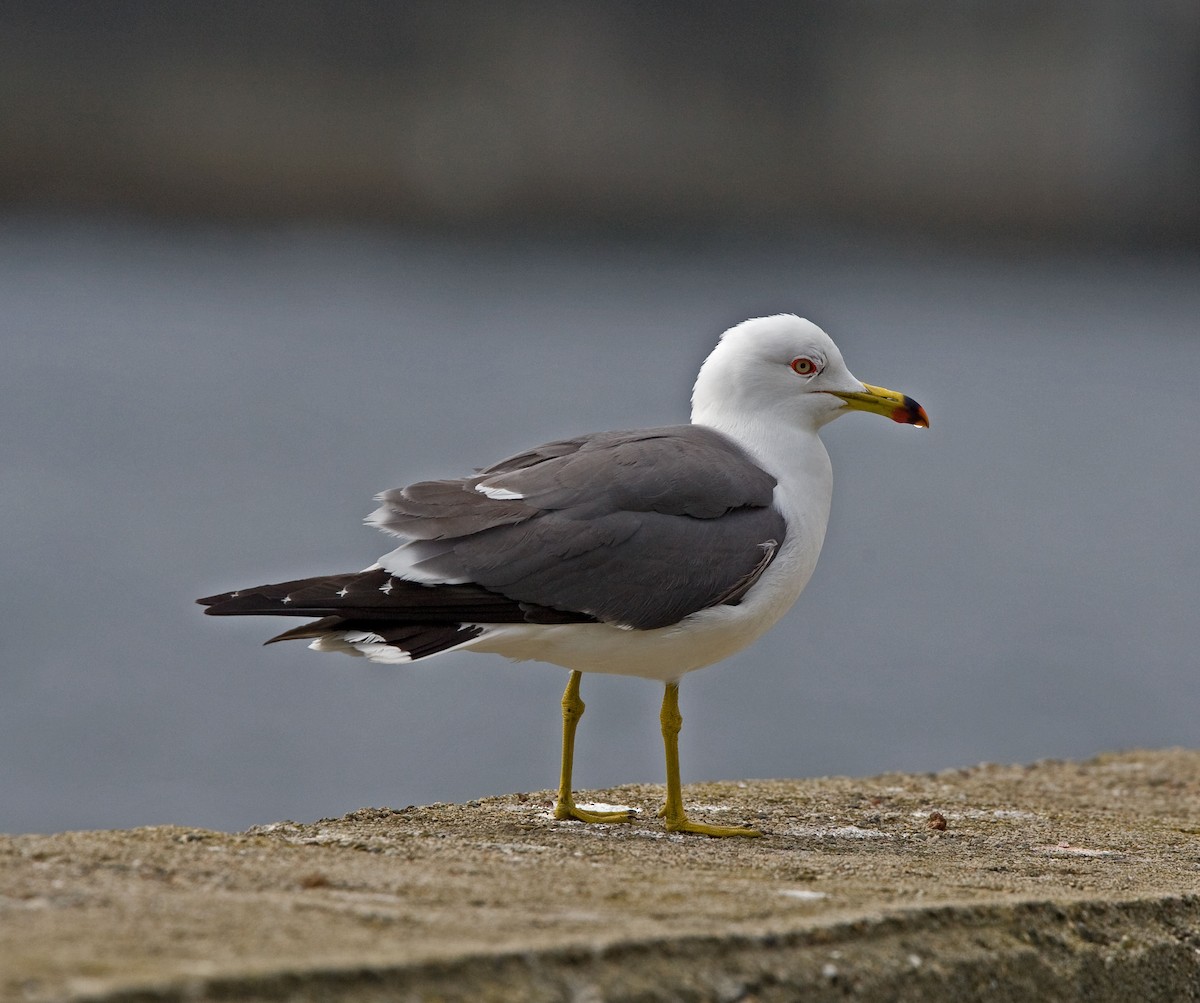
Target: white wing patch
498, 494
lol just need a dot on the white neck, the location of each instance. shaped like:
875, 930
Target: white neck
788, 448
793, 454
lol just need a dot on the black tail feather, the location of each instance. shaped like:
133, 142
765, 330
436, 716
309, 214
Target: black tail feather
420, 620
374, 599
311, 631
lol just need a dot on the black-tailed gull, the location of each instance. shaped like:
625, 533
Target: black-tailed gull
649, 552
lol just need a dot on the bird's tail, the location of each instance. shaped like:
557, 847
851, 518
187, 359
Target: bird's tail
386, 618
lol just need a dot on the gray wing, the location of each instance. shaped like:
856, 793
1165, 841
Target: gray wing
639, 528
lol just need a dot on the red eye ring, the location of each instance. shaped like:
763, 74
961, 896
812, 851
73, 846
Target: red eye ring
805, 366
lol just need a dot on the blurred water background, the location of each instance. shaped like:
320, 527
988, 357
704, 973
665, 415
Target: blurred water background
261, 261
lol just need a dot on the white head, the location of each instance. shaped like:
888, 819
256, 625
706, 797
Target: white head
786, 369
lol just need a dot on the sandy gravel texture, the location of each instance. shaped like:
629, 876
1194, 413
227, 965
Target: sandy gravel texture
1056, 881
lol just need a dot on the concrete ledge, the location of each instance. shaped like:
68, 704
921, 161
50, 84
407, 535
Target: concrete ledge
1058, 881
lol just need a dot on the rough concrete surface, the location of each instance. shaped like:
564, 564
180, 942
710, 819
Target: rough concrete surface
1056, 881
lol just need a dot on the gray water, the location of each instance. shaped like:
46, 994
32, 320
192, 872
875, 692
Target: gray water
185, 411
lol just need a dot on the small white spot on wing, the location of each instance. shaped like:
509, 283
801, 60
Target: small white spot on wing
498, 494
285, 600
342, 593
386, 587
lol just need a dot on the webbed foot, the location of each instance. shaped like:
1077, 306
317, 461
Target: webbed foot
564, 812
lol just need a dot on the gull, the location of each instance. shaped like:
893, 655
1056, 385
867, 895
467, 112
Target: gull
648, 552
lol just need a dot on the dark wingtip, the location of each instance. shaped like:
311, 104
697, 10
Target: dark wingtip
211, 602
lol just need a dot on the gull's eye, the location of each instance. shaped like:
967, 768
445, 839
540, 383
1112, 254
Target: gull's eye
806, 366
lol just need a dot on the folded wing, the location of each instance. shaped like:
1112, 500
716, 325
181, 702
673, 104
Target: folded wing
638, 528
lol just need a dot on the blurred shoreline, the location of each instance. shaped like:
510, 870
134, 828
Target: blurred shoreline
1049, 123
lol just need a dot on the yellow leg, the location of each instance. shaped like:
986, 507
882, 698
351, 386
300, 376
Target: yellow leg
564, 807
676, 817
